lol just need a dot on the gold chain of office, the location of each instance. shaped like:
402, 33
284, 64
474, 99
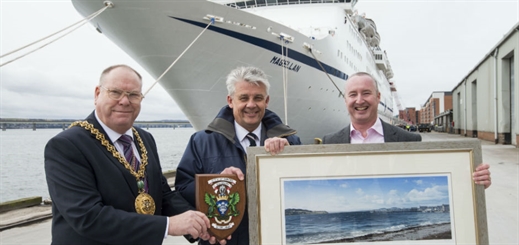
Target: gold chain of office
139, 175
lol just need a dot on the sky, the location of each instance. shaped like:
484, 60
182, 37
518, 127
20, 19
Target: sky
361, 194
432, 46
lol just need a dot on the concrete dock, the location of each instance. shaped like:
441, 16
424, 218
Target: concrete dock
502, 199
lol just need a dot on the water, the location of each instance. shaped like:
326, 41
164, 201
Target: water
315, 228
22, 171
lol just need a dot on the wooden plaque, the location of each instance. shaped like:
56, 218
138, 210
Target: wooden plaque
222, 198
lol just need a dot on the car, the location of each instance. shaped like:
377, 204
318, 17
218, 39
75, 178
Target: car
424, 127
402, 126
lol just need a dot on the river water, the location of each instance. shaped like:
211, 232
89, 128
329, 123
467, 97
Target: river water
22, 171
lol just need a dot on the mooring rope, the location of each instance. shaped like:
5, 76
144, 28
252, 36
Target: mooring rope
328, 75
172, 64
81, 23
77, 24
285, 76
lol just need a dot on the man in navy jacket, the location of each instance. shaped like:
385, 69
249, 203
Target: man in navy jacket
222, 147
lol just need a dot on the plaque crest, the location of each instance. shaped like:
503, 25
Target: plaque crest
222, 198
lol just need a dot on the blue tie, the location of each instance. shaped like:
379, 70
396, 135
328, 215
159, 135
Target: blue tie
252, 139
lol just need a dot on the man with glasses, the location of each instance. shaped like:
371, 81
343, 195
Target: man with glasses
105, 178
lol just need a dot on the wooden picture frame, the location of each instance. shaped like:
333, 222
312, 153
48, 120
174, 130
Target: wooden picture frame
271, 201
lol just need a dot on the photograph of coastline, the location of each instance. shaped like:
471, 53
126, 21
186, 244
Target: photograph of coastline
375, 209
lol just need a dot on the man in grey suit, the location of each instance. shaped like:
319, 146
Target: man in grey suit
362, 98
105, 178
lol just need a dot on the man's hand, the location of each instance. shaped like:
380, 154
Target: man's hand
234, 170
275, 145
190, 222
482, 175
212, 240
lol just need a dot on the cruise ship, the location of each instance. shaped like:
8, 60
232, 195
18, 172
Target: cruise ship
307, 47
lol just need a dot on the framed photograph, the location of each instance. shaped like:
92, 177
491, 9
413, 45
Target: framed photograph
392, 193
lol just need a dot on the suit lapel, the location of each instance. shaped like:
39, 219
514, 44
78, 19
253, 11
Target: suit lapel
347, 135
130, 179
263, 135
389, 133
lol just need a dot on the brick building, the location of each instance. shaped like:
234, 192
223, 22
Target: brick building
437, 104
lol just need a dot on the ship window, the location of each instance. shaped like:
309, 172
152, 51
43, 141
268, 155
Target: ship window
293, 1
240, 4
271, 2
282, 2
250, 4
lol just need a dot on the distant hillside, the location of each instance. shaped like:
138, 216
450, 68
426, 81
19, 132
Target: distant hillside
296, 211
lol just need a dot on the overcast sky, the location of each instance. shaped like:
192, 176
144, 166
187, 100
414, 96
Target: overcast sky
432, 46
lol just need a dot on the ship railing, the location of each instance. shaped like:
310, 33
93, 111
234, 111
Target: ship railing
266, 3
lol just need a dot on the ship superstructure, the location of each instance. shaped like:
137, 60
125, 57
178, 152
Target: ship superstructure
308, 49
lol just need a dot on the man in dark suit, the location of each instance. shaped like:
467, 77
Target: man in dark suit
362, 98
106, 190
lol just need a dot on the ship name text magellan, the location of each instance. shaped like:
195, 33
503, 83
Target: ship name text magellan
285, 63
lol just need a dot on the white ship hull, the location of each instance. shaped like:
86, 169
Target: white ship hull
155, 33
